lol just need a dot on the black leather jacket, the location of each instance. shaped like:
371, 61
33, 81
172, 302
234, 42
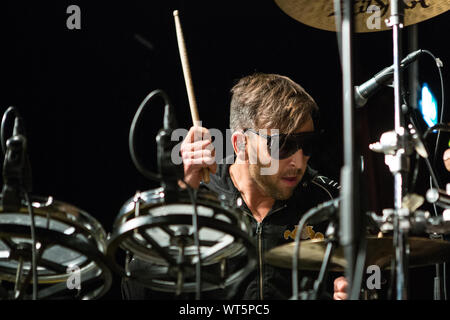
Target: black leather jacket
267, 281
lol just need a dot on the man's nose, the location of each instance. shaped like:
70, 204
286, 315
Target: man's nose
298, 159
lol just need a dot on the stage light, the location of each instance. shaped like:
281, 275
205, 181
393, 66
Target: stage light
428, 106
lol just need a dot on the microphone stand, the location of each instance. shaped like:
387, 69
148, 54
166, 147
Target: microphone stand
397, 148
18, 184
16, 170
350, 223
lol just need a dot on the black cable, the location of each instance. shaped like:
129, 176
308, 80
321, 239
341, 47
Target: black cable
433, 175
33, 248
136, 120
198, 266
437, 127
441, 78
296, 256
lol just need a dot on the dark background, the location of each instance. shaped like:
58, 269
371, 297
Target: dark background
78, 90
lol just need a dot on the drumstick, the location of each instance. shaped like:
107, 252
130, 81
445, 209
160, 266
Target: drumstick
188, 81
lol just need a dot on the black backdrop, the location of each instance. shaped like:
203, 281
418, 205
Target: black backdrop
78, 90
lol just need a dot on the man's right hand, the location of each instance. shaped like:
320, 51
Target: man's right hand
197, 152
446, 158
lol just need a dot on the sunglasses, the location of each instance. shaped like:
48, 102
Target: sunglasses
282, 146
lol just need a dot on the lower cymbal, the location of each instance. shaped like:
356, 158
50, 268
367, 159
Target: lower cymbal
423, 251
369, 15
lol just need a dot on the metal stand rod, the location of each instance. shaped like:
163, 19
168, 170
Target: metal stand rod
349, 211
400, 158
18, 282
318, 284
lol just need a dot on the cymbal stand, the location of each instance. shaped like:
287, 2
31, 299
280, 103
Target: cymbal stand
397, 147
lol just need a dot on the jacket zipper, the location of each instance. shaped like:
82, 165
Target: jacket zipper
258, 232
259, 236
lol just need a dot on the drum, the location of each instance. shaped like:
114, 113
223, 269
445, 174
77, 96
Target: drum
156, 228
71, 246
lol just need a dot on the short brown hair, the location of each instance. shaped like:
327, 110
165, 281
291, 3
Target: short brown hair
270, 101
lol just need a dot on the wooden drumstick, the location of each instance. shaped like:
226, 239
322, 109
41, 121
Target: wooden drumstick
188, 80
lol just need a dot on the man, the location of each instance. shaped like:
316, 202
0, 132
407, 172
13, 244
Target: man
276, 198
277, 201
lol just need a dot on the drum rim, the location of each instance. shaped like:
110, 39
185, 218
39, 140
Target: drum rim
64, 212
156, 198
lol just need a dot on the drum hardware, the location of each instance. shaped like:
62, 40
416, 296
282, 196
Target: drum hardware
66, 237
438, 197
187, 240
420, 223
62, 237
17, 180
439, 224
396, 144
164, 238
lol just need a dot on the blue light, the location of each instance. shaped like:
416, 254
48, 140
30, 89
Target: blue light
428, 106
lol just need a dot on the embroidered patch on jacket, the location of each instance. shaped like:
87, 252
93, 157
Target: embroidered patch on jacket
307, 233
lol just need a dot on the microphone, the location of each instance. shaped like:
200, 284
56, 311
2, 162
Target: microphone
169, 171
16, 168
370, 87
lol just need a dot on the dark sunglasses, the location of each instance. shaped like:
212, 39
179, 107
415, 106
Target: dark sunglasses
282, 146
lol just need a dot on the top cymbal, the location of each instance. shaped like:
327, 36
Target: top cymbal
423, 252
320, 13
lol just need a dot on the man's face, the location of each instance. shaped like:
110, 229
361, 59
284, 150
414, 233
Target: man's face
280, 185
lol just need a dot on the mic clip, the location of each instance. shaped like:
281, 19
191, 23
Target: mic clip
14, 176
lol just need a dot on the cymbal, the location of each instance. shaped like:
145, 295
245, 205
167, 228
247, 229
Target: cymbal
423, 252
320, 13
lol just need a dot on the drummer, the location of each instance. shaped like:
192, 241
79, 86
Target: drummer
275, 200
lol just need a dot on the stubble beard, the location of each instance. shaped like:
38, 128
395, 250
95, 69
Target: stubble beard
271, 184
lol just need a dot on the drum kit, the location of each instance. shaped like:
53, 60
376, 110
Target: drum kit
191, 236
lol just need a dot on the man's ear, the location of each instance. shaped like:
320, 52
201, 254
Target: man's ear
239, 141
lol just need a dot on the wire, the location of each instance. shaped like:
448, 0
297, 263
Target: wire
33, 249
433, 176
437, 127
131, 143
198, 266
300, 226
441, 78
